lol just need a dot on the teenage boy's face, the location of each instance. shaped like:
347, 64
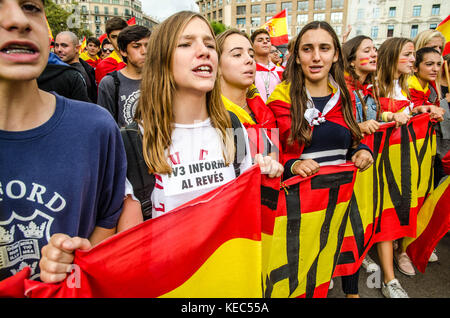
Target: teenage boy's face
262, 44
113, 38
136, 52
92, 49
24, 40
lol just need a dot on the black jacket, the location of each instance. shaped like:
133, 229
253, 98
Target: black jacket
65, 81
92, 90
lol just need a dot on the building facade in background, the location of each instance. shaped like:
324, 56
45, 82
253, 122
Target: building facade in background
93, 14
249, 15
381, 19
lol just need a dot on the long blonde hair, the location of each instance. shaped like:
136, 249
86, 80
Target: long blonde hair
155, 108
388, 55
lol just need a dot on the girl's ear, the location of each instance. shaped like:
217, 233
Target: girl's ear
336, 57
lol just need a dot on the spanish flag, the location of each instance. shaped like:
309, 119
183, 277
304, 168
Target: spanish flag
277, 26
444, 28
388, 196
420, 95
50, 33
302, 244
433, 222
207, 248
83, 45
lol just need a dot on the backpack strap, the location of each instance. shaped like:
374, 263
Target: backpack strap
115, 76
137, 171
239, 143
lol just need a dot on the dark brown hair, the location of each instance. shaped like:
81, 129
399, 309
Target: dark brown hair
349, 50
300, 129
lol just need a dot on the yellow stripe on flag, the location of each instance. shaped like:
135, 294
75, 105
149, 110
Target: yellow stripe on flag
277, 26
233, 271
444, 28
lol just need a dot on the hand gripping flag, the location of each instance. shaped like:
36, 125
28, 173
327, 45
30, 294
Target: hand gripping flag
388, 196
209, 247
277, 27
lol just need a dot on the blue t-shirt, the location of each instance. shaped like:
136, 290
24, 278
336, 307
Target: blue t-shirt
65, 176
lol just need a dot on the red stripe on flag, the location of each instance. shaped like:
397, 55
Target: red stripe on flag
420, 250
161, 254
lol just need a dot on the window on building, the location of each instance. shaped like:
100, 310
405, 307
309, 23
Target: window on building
338, 30
256, 8
436, 9
414, 30
319, 16
360, 14
116, 11
416, 11
256, 21
319, 4
337, 4
374, 32
271, 7
390, 31
376, 13
336, 17
286, 5
302, 19
241, 10
392, 11
433, 26
106, 10
240, 21
302, 5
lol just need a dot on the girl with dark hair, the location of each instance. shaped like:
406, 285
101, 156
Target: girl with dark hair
314, 112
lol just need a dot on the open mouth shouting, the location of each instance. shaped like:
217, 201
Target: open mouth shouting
204, 70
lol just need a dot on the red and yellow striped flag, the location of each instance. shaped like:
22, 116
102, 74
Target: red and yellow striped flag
444, 28
83, 45
208, 247
277, 26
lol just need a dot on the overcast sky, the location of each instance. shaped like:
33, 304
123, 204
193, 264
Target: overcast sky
162, 9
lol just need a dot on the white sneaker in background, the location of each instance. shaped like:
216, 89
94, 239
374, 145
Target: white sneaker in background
369, 264
393, 289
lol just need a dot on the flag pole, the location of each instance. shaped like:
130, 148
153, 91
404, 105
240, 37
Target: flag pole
446, 72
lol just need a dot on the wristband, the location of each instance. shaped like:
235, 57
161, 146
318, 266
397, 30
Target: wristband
384, 116
294, 165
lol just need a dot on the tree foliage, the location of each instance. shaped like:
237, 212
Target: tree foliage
218, 27
58, 20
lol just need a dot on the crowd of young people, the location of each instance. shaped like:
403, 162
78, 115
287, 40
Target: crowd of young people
64, 173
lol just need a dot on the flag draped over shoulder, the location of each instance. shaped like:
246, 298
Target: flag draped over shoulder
388, 196
209, 247
277, 27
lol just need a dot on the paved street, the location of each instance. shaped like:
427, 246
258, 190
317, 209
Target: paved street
434, 283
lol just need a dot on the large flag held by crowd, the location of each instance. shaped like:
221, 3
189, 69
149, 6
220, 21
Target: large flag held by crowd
225, 244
